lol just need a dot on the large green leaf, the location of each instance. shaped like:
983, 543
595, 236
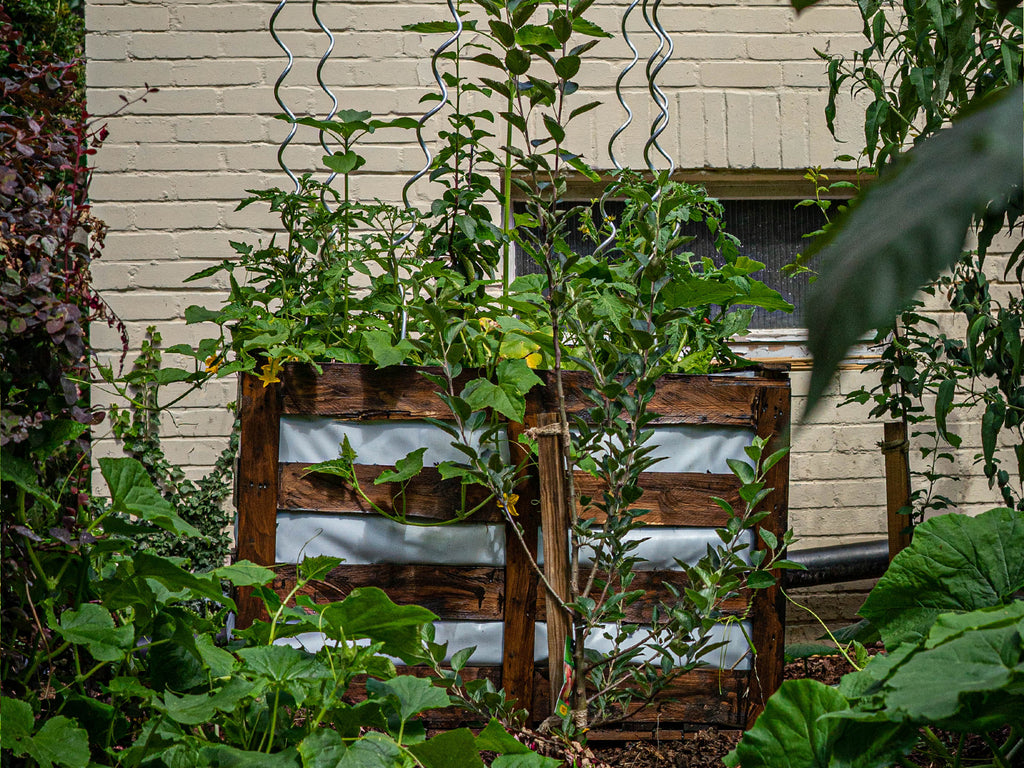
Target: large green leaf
323, 748
954, 563
195, 709
245, 574
133, 493
176, 578
409, 695
971, 680
374, 750
791, 732
59, 742
451, 749
224, 756
909, 227
14, 469
94, 627
369, 612
494, 738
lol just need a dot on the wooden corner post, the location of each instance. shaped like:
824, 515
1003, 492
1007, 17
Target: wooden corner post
259, 409
896, 450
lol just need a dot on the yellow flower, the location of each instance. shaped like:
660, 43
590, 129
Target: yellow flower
270, 371
508, 500
534, 359
213, 362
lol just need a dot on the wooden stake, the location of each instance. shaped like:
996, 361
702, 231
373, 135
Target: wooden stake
896, 450
554, 516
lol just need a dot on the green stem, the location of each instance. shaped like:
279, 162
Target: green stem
817, 618
936, 743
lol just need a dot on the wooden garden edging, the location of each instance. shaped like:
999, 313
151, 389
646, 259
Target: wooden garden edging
758, 401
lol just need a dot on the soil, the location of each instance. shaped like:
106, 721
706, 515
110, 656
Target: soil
706, 748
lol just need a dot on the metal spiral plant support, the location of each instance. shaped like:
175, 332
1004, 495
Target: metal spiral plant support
277, 95
655, 64
428, 158
618, 86
330, 95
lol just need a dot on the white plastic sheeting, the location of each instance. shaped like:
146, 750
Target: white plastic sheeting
369, 540
487, 637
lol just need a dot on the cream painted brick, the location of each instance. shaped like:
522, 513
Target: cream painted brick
752, 20
238, 70
186, 451
794, 129
175, 215
846, 465
138, 305
184, 157
715, 155
830, 493
740, 74
698, 47
169, 101
133, 246
739, 129
828, 20
222, 17
804, 74
129, 129
154, 275
766, 123
113, 46
679, 74
690, 110
130, 18
116, 157
232, 128
176, 45
104, 338
797, 47
813, 439
125, 76
197, 422
131, 187
354, 73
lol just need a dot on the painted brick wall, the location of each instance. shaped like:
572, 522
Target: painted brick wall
745, 86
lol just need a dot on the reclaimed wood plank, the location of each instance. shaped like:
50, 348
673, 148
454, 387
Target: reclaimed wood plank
256, 483
768, 615
425, 496
673, 498
474, 593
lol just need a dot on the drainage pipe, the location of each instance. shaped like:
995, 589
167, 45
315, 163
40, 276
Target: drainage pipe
834, 565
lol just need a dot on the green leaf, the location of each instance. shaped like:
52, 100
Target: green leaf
383, 351
224, 756
132, 493
760, 580
245, 574
14, 469
374, 750
93, 626
954, 563
60, 742
405, 469
409, 695
517, 62
175, 578
451, 749
526, 760
18, 721
323, 748
369, 612
344, 162
907, 228
494, 738
791, 732
197, 314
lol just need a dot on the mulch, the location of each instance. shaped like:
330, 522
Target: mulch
706, 748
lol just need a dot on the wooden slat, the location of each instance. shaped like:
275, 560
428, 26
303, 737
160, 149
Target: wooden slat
652, 582
673, 498
452, 592
706, 696
521, 580
896, 450
256, 483
362, 392
426, 495
679, 399
768, 618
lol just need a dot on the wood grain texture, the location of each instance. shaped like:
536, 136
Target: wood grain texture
896, 450
475, 593
362, 392
521, 585
679, 399
426, 495
256, 483
673, 498
768, 618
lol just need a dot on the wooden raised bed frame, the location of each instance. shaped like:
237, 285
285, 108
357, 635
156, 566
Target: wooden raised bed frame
728, 698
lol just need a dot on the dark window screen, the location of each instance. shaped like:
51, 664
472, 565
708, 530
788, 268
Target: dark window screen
769, 231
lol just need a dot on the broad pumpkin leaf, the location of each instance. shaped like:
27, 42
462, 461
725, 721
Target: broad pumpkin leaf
907, 228
94, 627
323, 748
451, 749
791, 732
369, 612
223, 756
409, 695
972, 680
132, 493
245, 574
374, 750
955, 563
494, 738
58, 742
